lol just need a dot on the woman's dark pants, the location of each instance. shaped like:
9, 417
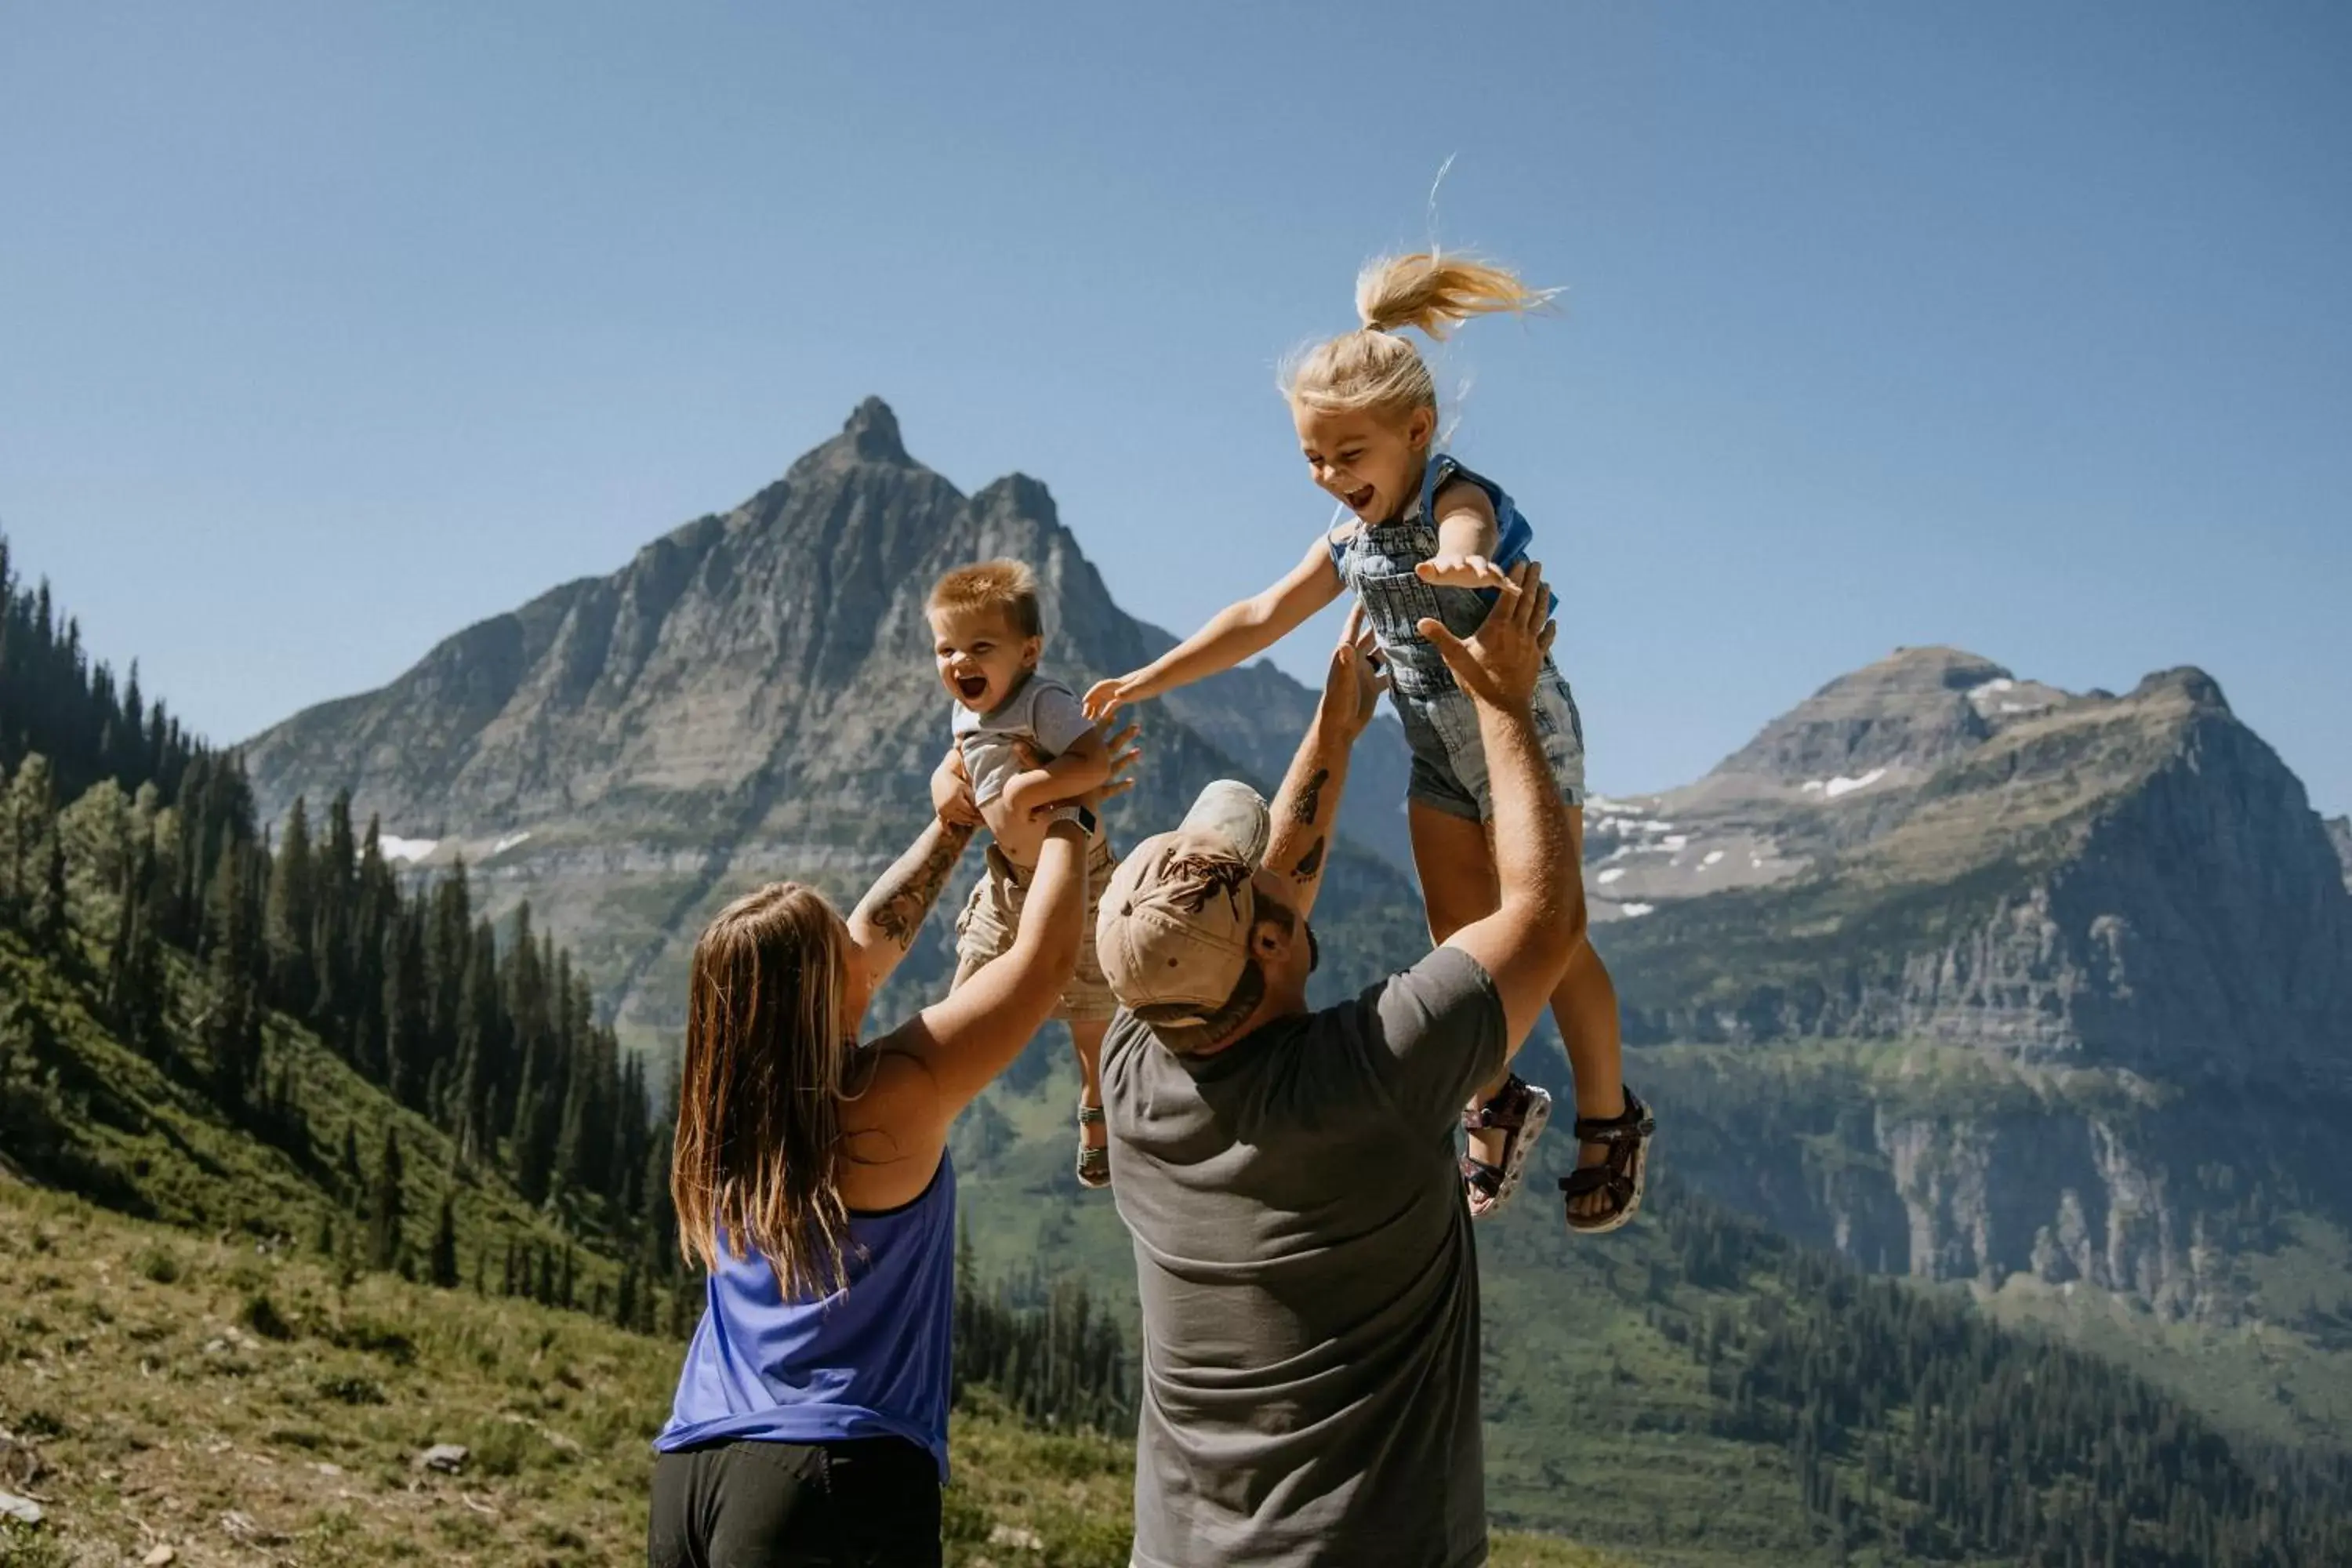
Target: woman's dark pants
868, 1502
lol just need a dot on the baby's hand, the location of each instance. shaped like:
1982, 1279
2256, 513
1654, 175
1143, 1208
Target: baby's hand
951, 794
1447, 569
1104, 697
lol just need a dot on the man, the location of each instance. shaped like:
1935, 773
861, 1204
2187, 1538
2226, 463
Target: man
1304, 1256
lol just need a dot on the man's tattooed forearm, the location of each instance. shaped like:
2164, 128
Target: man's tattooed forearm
899, 902
1310, 797
1312, 861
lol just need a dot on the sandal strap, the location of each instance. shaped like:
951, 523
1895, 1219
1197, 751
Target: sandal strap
1488, 1179
1090, 1116
1631, 1125
1508, 1109
1607, 1180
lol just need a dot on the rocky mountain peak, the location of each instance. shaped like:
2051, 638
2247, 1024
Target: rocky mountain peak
2198, 689
871, 432
1912, 708
1020, 496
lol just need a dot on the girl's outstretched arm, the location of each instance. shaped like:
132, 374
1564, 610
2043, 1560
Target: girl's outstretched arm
1233, 635
1467, 532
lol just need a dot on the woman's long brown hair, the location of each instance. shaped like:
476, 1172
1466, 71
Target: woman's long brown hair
769, 1058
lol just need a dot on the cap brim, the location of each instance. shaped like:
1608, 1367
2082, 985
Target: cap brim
1196, 1034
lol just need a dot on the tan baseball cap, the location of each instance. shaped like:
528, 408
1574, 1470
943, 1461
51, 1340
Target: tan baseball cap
1173, 933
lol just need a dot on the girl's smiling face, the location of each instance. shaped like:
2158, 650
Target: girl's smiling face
1371, 460
980, 656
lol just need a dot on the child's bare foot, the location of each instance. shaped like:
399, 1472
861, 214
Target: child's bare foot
1499, 1131
1611, 1165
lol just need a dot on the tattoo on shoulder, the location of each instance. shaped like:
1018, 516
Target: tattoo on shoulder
1311, 798
1312, 861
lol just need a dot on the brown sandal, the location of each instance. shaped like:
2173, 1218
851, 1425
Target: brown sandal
1094, 1163
1522, 1110
1620, 1176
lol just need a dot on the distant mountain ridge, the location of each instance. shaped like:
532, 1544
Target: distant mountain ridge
1930, 847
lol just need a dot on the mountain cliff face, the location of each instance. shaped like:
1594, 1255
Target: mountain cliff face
1930, 848
1996, 982
754, 697
2340, 833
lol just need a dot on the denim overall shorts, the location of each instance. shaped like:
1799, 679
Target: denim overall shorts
1441, 724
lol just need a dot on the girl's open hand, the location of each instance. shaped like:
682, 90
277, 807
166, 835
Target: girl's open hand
1450, 569
1103, 697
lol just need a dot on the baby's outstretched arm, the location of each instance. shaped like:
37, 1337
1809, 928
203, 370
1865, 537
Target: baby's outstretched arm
1466, 536
1233, 635
1083, 765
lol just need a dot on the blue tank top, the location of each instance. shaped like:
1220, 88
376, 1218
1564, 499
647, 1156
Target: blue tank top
869, 1360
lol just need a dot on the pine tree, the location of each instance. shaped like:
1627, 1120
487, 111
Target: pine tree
354, 1180
134, 996
404, 1010
232, 1023
384, 1230
445, 1245
28, 823
481, 1035
291, 924
625, 1302
47, 922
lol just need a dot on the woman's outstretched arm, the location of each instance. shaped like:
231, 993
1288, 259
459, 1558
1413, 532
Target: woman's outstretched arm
884, 924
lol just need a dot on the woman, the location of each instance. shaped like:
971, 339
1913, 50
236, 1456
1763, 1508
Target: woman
811, 1180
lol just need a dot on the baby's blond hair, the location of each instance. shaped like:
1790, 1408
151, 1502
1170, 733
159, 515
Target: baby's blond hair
1372, 368
1003, 585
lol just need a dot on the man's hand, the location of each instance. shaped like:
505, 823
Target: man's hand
1448, 569
1104, 697
951, 793
1353, 684
1499, 663
1117, 781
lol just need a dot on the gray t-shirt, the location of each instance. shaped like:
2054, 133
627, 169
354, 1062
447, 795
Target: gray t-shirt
1309, 1284
1041, 710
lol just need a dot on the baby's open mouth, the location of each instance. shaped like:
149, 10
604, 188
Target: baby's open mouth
973, 687
1359, 500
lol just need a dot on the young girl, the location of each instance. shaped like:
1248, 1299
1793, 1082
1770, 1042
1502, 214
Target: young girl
1430, 541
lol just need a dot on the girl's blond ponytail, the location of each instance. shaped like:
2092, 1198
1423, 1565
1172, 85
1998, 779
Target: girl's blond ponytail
1372, 367
1433, 292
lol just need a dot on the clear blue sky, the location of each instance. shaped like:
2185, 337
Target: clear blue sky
327, 329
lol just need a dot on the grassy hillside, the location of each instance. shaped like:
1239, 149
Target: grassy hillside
239, 1403
81, 1111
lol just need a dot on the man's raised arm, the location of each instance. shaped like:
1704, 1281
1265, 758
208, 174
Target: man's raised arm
1308, 804
1526, 943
